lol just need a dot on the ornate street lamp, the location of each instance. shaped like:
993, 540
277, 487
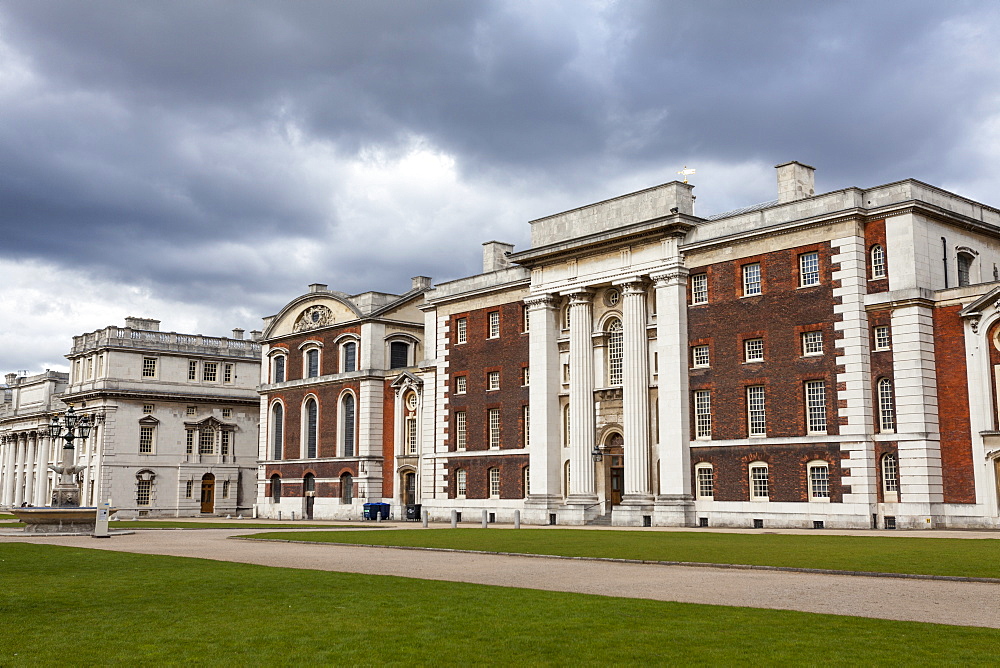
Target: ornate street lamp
596, 453
67, 492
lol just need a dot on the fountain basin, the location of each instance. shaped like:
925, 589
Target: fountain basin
57, 520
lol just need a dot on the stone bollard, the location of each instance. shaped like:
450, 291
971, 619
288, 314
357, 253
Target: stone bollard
425, 516
454, 519
279, 515
517, 519
486, 518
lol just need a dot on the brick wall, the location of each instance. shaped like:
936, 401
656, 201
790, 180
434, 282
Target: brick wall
477, 475
787, 470
293, 473
329, 355
875, 234
953, 405
881, 360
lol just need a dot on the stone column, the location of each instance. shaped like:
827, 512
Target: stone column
86, 447
544, 448
8, 471
581, 399
22, 444
674, 502
42, 470
31, 442
635, 394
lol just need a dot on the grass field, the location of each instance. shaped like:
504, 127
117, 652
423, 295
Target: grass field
931, 556
76, 606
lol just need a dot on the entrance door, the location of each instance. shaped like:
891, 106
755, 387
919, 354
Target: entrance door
409, 488
208, 493
309, 506
617, 484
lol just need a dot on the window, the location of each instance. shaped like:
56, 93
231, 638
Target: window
753, 350
347, 418
890, 478
492, 380
90, 367
702, 414
278, 375
566, 317
755, 411
277, 430
347, 488
759, 483
192, 410
399, 355
699, 289
192, 370
210, 372
275, 488
616, 351
566, 430
206, 442
225, 442
819, 481
460, 487
100, 365
882, 337
461, 330
411, 435
704, 481
188, 489
149, 367
145, 440
312, 363
225, 489
751, 279
227, 374
148, 408
526, 417
189, 441
143, 492
460, 430
494, 483
878, 261
566, 373
567, 479
886, 408
350, 357
527, 481
493, 416
460, 384
525, 376
227, 412
699, 356
525, 319
808, 269
311, 427
494, 324
812, 343
964, 268
816, 406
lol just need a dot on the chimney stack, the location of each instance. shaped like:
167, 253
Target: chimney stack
496, 255
795, 181
420, 282
317, 287
238, 334
148, 324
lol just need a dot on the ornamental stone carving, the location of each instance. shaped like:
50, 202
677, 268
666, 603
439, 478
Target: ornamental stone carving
314, 317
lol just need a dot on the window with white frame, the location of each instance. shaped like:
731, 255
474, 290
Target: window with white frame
460, 384
206, 442
566, 479
90, 367
699, 289
460, 430
527, 481
492, 380
494, 324
494, 483
890, 478
192, 370
565, 373
878, 261
883, 340
565, 317
699, 356
146, 439
526, 418
277, 430
566, 430
311, 427
100, 365
616, 352
704, 480
756, 419
411, 435
347, 425
753, 350
188, 489
525, 376
816, 406
312, 363
760, 488
225, 442
227, 373
225, 489
808, 269
525, 319
886, 406
189, 441
149, 367
210, 372
143, 492
819, 481
493, 418
349, 357
703, 414
751, 279
278, 370
812, 343
461, 330
460, 486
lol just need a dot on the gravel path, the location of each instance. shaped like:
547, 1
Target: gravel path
941, 602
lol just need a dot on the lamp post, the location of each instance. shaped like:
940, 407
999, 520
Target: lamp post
596, 453
67, 493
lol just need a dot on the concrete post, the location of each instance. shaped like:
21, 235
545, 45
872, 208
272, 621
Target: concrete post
425, 516
454, 519
485, 519
517, 519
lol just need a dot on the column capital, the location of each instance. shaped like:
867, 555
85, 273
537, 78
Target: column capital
539, 302
580, 296
634, 285
673, 275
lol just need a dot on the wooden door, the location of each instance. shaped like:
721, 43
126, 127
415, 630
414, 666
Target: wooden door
208, 493
617, 484
409, 488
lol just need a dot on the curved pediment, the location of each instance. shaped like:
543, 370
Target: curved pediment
311, 311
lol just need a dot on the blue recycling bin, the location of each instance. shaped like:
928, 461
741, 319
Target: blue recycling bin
366, 511
384, 510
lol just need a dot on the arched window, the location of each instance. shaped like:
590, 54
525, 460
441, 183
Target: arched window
310, 426
616, 348
275, 488
760, 484
349, 357
309, 483
460, 483
890, 478
705, 480
278, 369
819, 480
566, 479
312, 363
277, 430
144, 487
565, 317
347, 488
878, 261
886, 406
347, 425
964, 268
566, 426
399, 355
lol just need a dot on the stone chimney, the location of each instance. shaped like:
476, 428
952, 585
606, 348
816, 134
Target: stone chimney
11, 378
420, 282
238, 334
496, 255
143, 323
795, 181
255, 334
317, 287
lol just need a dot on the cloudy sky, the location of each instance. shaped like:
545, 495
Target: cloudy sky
203, 162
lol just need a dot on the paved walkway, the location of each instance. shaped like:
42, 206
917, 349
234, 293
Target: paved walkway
942, 602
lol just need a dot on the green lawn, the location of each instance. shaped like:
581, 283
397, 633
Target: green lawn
932, 556
84, 607
179, 524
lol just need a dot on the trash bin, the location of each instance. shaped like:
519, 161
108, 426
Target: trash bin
413, 511
384, 509
366, 511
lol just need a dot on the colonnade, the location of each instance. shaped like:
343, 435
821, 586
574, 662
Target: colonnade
25, 477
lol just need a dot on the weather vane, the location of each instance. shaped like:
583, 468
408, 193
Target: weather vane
686, 173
